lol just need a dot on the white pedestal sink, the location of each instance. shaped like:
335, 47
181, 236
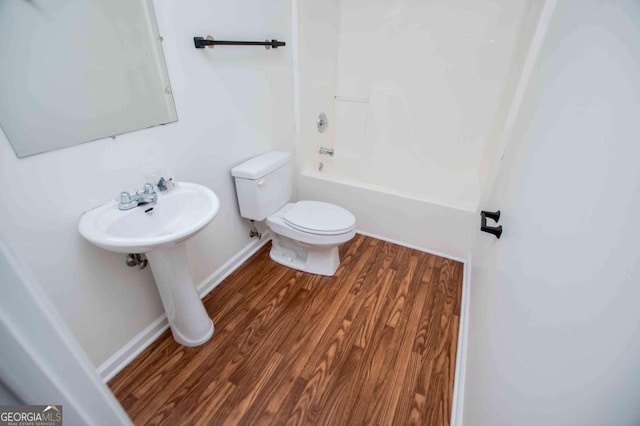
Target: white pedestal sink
161, 234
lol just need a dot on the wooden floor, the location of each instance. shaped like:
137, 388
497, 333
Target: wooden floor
375, 344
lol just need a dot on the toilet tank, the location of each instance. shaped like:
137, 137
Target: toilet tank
263, 184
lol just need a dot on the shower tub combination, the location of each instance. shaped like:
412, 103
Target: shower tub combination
401, 185
418, 97
379, 171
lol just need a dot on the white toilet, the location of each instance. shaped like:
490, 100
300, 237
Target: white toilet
306, 234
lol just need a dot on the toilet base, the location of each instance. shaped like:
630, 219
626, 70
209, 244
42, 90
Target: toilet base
321, 260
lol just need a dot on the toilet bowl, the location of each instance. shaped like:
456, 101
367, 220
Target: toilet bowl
305, 235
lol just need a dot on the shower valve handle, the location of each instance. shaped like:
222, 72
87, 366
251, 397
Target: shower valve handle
323, 122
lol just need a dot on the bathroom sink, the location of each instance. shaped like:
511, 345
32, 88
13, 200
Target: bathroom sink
177, 216
159, 230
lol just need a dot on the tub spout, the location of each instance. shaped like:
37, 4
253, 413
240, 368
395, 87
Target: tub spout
326, 151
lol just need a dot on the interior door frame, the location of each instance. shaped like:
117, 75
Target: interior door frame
42, 362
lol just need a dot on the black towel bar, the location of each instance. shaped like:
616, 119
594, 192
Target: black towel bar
201, 43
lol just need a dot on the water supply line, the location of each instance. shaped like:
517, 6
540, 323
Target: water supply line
137, 259
254, 231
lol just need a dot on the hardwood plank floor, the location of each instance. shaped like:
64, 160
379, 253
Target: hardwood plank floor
375, 344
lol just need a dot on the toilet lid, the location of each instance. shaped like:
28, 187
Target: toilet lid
320, 218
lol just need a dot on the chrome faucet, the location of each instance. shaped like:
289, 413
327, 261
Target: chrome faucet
129, 201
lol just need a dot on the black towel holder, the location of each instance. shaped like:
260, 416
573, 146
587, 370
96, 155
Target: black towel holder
202, 42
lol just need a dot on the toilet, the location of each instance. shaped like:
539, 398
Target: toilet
305, 235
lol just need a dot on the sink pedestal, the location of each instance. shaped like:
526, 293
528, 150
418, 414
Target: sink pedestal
189, 321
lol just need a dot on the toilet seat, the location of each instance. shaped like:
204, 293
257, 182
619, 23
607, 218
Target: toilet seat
278, 225
316, 217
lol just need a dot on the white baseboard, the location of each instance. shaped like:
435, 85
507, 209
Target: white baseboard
411, 246
128, 352
457, 404
232, 264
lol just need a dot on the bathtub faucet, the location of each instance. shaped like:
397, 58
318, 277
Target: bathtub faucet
326, 151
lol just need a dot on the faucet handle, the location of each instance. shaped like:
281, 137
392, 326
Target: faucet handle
148, 189
125, 197
126, 201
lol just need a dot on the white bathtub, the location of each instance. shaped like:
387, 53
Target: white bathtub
396, 214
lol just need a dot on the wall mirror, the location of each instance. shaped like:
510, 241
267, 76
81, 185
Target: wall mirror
74, 71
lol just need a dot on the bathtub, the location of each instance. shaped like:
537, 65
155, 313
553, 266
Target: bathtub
442, 222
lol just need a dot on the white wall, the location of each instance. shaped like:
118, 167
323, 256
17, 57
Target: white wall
232, 103
554, 327
7, 397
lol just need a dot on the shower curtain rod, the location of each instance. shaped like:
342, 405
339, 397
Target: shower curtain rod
201, 42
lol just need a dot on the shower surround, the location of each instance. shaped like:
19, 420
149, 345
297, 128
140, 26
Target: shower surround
418, 96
